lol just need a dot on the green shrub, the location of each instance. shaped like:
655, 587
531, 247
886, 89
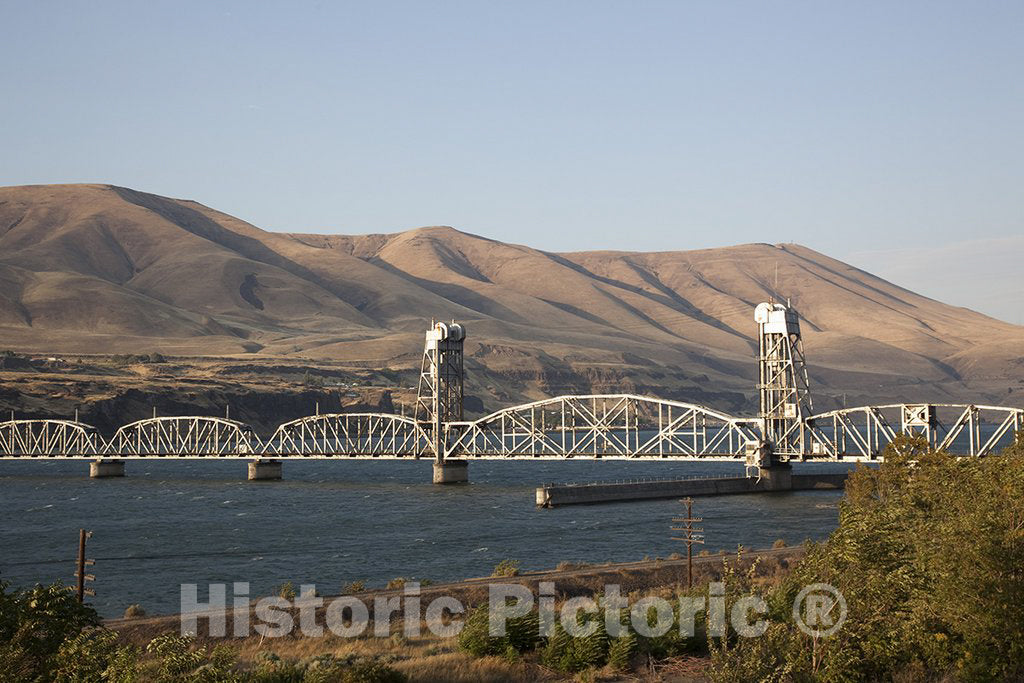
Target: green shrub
927, 556
568, 566
179, 659
95, 655
558, 653
506, 568
133, 611
521, 634
371, 671
621, 651
34, 624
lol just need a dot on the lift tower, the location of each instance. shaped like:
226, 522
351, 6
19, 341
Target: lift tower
439, 397
783, 386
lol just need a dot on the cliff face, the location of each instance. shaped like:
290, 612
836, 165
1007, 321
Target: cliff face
101, 269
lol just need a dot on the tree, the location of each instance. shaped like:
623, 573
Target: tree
928, 557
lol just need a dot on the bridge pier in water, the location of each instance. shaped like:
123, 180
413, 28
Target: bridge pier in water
777, 476
263, 469
104, 468
451, 472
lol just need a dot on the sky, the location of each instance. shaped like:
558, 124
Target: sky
886, 134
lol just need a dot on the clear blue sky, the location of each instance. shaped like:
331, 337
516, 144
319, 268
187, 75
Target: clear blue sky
866, 130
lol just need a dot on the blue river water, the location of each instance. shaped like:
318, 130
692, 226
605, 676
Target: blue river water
332, 522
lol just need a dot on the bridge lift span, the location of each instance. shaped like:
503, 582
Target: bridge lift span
600, 426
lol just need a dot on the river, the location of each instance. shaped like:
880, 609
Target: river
333, 522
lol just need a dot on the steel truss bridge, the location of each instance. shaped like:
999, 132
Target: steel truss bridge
609, 426
601, 426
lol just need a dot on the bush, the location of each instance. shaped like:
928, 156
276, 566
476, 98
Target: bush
371, 671
47, 636
180, 660
621, 651
272, 669
568, 566
287, 591
312, 380
134, 611
34, 624
353, 587
506, 568
570, 654
779, 543
927, 557
521, 634
95, 655
395, 584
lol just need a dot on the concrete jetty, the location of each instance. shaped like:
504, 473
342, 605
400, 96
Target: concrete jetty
554, 495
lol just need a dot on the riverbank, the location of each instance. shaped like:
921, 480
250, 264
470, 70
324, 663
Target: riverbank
429, 657
570, 580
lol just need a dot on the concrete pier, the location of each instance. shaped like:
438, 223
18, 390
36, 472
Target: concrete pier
451, 472
264, 470
776, 477
103, 468
552, 495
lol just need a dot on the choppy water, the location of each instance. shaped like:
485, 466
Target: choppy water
332, 522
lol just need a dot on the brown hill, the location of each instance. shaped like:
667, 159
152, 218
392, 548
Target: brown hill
102, 269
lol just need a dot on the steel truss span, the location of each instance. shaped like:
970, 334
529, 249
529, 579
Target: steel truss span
603, 426
356, 435
48, 439
183, 437
610, 426
863, 433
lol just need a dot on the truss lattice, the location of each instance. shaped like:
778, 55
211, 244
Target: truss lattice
183, 437
862, 433
48, 439
603, 426
355, 435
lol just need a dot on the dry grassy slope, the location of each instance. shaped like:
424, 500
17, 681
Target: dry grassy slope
99, 268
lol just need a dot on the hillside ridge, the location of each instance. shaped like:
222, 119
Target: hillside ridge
87, 268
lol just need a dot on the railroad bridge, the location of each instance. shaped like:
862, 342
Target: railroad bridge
599, 426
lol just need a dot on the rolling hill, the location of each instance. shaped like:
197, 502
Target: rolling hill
90, 269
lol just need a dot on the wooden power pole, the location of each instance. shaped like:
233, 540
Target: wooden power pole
80, 576
693, 535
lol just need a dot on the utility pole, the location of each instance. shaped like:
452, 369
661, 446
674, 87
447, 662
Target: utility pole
693, 535
80, 576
